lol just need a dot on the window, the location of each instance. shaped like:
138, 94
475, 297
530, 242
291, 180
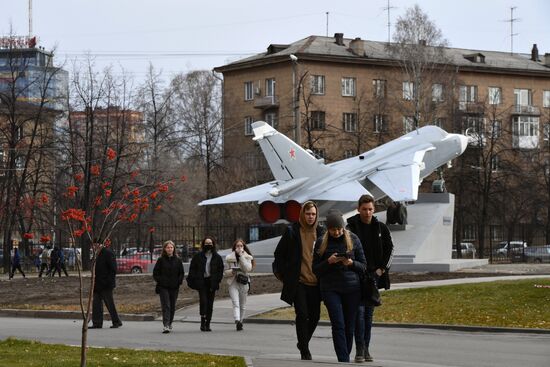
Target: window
494, 95
248, 91
348, 153
270, 87
317, 84
379, 87
408, 91
408, 124
494, 163
467, 93
522, 97
525, 132
320, 153
473, 126
271, 119
350, 122
248, 125
439, 122
317, 120
496, 129
379, 123
437, 92
348, 87
546, 99
546, 132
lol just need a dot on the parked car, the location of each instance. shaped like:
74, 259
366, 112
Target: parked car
533, 254
515, 247
467, 249
134, 264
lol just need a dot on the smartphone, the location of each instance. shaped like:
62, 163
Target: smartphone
342, 254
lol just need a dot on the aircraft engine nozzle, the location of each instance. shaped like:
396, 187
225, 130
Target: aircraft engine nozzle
271, 212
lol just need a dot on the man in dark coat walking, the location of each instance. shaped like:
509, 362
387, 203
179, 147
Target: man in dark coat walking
292, 266
378, 248
105, 273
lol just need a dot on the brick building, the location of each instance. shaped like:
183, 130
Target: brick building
340, 97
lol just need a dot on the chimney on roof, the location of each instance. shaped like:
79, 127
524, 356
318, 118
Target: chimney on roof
357, 46
422, 42
547, 59
339, 39
535, 53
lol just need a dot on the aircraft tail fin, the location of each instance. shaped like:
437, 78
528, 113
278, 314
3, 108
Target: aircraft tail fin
287, 160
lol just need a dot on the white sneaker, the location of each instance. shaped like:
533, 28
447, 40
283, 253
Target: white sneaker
165, 330
170, 327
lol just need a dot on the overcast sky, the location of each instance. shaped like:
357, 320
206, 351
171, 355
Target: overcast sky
177, 35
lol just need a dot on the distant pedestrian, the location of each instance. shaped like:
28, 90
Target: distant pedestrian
239, 264
205, 275
339, 263
169, 274
16, 263
292, 266
55, 258
62, 263
44, 261
105, 282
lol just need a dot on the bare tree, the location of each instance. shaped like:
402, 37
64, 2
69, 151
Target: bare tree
197, 108
419, 49
27, 114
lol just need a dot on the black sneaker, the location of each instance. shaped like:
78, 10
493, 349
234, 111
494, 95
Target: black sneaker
239, 325
116, 326
95, 327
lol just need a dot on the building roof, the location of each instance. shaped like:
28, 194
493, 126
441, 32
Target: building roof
375, 52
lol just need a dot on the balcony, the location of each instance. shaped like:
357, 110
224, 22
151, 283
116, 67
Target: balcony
471, 107
525, 110
267, 102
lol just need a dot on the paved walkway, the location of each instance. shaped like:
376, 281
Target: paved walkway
258, 304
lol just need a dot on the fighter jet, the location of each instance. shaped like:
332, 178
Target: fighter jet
394, 169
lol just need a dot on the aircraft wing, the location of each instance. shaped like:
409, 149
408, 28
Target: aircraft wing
257, 193
349, 191
400, 180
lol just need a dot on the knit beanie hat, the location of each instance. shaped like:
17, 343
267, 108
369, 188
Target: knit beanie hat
334, 219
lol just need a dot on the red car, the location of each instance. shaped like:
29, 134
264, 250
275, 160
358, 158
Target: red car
135, 264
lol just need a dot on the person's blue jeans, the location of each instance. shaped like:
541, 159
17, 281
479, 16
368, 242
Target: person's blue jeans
363, 325
342, 310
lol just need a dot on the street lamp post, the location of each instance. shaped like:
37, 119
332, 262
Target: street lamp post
295, 114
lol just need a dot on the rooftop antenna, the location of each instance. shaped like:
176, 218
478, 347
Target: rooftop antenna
388, 8
30, 18
327, 23
512, 34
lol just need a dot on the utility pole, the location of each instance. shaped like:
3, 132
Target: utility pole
327, 23
512, 34
388, 8
30, 18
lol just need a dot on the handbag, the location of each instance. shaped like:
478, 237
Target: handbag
241, 278
369, 291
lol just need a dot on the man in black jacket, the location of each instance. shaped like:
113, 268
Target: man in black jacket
378, 248
292, 266
105, 273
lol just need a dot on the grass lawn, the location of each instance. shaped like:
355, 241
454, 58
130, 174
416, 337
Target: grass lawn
19, 353
516, 303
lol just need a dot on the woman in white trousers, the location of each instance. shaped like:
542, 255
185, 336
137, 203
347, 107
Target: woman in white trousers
239, 263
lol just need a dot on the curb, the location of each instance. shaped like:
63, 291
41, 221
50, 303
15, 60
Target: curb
59, 314
484, 329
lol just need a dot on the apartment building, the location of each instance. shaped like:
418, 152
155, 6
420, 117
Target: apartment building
340, 97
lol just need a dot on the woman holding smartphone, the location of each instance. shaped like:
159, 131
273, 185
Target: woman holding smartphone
338, 262
239, 264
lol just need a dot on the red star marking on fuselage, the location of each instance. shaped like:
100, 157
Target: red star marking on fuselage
292, 153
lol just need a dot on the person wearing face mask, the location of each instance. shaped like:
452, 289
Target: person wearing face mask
205, 275
169, 274
338, 263
239, 264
